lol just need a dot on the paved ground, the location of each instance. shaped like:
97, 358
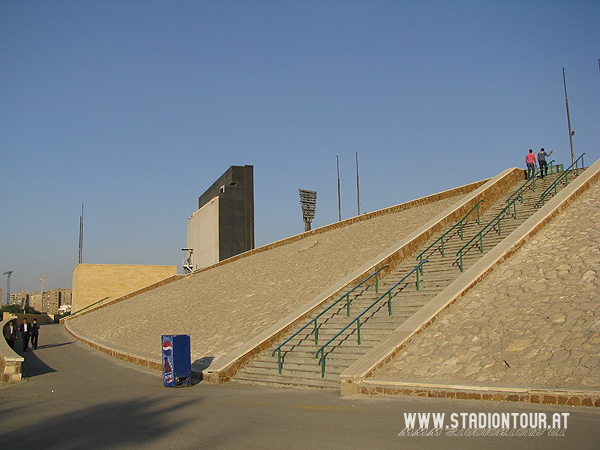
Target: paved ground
533, 323
77, 398
233, 303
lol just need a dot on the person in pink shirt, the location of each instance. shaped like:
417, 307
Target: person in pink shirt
531, 164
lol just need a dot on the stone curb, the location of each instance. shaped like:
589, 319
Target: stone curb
511, 394
225, 367
353, 378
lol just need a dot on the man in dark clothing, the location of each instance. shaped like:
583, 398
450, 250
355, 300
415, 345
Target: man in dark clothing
25, 330
35, 332
10, 334
542, 162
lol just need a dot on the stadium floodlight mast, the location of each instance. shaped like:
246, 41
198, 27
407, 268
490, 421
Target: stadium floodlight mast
8, 273
308, 202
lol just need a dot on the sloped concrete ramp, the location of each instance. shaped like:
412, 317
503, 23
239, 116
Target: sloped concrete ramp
227, 305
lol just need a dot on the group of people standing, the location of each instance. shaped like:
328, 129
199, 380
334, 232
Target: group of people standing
28, 331
532, 163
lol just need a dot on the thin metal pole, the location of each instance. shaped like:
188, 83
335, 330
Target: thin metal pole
339, 193
357, 185
568, 118
81, 236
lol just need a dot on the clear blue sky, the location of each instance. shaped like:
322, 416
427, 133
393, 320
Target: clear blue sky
136, 107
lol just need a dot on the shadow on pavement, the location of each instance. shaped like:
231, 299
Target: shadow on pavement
122, 424
54, 345
32, 365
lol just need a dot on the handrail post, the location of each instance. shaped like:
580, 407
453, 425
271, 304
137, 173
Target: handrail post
417, 280
481, 240
376, 286
461, 260
322, 363
390, 301
358, 330
348, 304
443, 255
279, 360
316, 333
421, 259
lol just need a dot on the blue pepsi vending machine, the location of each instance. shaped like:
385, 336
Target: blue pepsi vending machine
177, 361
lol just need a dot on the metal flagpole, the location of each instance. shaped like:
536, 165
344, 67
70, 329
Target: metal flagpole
81, 236
571, 133
339, 193
357, 185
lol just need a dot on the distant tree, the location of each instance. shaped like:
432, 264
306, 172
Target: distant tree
16, 309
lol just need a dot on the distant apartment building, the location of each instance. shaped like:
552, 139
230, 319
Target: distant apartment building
66, 297
21, 299
45, 302
35, 301
53, 299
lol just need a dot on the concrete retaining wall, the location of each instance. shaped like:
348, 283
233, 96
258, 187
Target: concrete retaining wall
93, 282
10, 361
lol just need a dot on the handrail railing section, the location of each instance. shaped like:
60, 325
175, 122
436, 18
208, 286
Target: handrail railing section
388, 293
461, 223
314, 320
89, 306
564, 175
528, 181
479, 235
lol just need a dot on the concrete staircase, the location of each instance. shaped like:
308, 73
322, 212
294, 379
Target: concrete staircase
301, 367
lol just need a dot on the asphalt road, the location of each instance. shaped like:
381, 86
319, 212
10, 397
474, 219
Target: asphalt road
77, 398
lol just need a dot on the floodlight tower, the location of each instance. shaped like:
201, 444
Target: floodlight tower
8, 273
308, 201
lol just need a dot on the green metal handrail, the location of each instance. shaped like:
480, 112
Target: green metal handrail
347, 295
89, 306
530, 180
462, 251
564, 175
388, 293
460, 222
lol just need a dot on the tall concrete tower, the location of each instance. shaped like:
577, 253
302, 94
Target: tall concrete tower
223, 226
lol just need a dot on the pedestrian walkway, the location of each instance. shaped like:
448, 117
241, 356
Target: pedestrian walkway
77, 398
